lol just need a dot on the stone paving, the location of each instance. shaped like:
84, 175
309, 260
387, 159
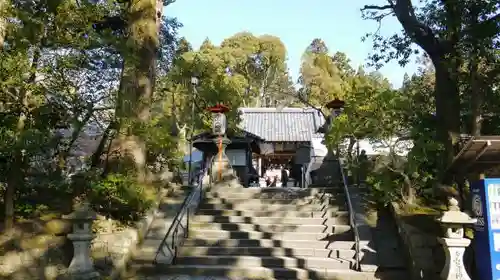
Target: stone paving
186, 277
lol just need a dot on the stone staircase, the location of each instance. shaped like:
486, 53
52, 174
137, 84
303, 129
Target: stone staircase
269, 233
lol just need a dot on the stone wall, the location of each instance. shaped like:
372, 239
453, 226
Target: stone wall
42, 251
425, 253
111, 250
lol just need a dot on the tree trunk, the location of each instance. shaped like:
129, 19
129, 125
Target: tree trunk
350, 149
15, 176
446, 60
477, 98
447, 111
3, 22
137, 86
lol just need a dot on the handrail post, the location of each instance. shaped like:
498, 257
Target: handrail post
187, 223
171, 237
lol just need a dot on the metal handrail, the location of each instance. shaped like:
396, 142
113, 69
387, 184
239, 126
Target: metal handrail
352, 219
173, 232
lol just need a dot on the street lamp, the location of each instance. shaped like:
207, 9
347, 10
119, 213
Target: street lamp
194, 84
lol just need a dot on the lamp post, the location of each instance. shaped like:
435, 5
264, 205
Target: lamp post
194, 84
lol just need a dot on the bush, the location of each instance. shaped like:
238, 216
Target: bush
120, 197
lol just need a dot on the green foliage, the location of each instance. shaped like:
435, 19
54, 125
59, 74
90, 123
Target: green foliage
120, 197
245, 70
460, 42
323, 78
60, 70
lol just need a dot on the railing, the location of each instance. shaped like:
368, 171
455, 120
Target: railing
179, 229
352, 219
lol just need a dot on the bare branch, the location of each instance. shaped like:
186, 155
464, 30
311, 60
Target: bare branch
303, 100
375, 7
422, 34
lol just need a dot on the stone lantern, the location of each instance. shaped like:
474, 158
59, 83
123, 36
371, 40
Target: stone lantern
81, 266
454, 243
336, 107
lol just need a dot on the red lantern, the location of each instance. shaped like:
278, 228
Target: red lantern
219, 108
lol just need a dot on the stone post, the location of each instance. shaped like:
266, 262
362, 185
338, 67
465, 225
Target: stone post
81, 266
453, 242
221, 161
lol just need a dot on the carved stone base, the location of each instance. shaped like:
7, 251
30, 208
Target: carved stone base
454, 267
221, 170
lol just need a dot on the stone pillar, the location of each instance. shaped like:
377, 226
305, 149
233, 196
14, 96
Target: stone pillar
259, 166
81, 266
454, 242
221, 162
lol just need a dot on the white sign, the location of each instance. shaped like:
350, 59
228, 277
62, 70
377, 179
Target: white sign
266, 148
494, 205
496, 242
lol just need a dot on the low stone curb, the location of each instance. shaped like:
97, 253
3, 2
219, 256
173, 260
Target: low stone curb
140, 231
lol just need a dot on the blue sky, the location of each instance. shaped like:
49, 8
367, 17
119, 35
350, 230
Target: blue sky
296, 22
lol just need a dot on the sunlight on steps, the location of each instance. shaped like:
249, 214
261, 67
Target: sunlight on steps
267, 233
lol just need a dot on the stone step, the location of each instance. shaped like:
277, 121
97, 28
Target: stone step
265, 190
278, 227
268, 213
231, 272
344, 254
253, 201
331, 199
240, 198
228, 234
271, 195
268, 243
263, 207
326, 189
158, 228
341, 218
259, 261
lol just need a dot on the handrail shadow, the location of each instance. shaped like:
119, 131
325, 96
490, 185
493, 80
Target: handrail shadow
352, 220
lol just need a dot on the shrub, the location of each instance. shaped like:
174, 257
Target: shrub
120, 197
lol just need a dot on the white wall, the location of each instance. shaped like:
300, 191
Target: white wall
372, 148
383, 147
318, 148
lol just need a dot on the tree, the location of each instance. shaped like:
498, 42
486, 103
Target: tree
261, 60
244, 70
321, 78
448, 32
137, 83
60, 68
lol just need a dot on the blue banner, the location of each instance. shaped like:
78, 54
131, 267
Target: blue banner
486, 209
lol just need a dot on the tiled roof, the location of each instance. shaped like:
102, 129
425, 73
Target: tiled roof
287, 124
